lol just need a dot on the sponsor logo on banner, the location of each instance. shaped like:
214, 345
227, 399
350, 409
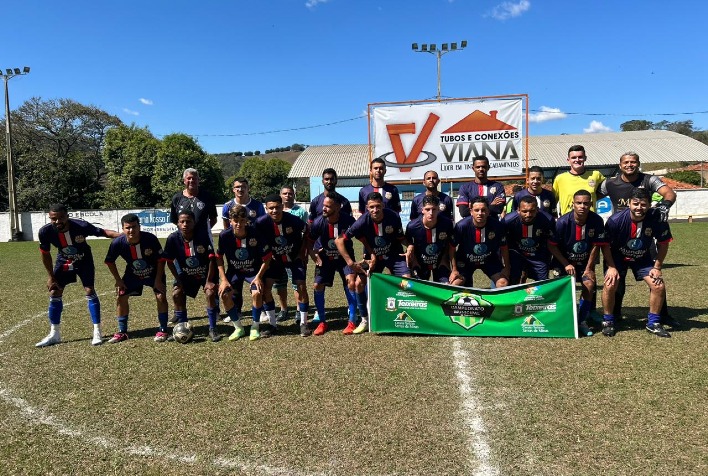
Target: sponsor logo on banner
541, 307
532, 324
467, 310
531, 294
446, 137
404, 321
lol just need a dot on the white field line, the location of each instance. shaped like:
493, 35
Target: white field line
38, 416
471, 412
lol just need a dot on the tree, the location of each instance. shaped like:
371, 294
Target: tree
176, 153
264, 177
682, 127
636, 125
57, 152
685, 176
130, 156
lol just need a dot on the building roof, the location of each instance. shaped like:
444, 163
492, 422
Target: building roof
549, 152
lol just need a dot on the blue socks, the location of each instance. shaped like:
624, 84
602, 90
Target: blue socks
122, 324
212, 314
162, 319
320, 304
94, 307
56, 305
361, 303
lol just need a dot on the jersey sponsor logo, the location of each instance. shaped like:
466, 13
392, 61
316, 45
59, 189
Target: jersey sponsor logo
480, 249
380, 241
241, 254
69, 250
580, 247
442, 236
635, 244
192, 262
389, 229
79, 238
140, 264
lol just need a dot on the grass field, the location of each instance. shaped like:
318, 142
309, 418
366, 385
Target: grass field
345, 405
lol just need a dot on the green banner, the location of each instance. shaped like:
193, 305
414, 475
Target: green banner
411, 306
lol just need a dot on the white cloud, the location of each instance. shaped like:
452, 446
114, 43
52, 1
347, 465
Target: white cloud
546, 113
314, 3
147, 102
595, 127
131, 112
507, 10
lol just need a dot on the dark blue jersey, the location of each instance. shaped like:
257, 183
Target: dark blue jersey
317, 203
446, 205
491, 190
630, 241
478, 246
243, 255
71, 245
574, 241
285, 238
383, 238
391, 197
193, 256
141, 258
254, 207
429, 244
324, 232
546, 200
529, 240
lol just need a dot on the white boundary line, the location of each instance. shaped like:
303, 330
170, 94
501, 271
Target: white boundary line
471, 412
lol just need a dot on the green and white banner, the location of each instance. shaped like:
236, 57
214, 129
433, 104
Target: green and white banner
411, 306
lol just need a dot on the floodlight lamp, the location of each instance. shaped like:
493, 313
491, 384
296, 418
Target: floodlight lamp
17, 71
8, 71
26, 70
433, 47
444, 46
424, 47
415, 46
463, 44
453, 46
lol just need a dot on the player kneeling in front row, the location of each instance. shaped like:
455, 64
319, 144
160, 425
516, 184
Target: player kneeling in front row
145, 266
192, 249
429, 237
74, 258
481, 244
248, 258
631, 233
381, 232
325, 230
578, 236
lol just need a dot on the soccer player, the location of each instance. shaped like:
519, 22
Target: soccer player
248, 257
578, 236
329, 181
381, 232
619, 188
630, 233
145, 266
577, 178
481, 244
242, 196
191, 248
74, 259
429, 237
286, 237
431, 180
481, 186
192, 198
545, 198
325, 230
389, 193
527, 235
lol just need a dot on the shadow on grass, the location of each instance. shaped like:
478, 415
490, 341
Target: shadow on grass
635, 318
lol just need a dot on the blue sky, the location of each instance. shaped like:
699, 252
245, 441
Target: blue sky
230, 72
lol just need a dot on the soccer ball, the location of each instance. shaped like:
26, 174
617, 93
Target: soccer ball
467, 300
182, 332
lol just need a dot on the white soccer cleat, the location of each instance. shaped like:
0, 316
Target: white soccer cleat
97, 337
52, 338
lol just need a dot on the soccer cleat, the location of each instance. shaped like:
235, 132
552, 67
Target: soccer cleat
118, 337
608, 328
237, 334
657, 329
174, 319
361, 328
321, 329
160, 336
52, 338
584, 329
255, 335
227, 319
269, 331
97, 338
282, 315
305, 331
671, 322
349, 329
316, 318
214, 335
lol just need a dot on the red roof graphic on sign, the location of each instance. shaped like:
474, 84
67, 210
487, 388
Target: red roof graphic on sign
478, 122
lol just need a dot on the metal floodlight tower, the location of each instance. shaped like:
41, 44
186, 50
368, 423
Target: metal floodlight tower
15, 233
432, 48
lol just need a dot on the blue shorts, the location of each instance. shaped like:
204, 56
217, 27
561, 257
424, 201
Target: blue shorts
278, 269
640, 269
237, 279
325, 274
535, 269
441, 274
491, 267
190, 284
396, 265
67, 274
134, 286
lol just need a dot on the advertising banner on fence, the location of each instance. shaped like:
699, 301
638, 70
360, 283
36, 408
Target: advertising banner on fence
411, 306
445, 137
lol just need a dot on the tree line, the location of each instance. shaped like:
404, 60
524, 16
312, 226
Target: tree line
84, 157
